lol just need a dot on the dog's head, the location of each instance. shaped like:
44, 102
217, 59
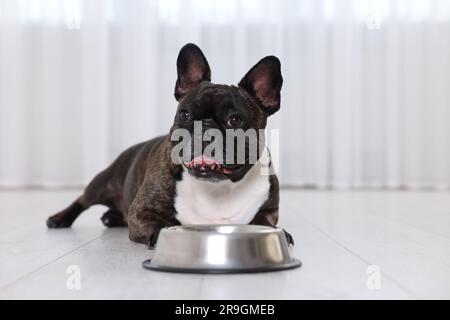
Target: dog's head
211, 113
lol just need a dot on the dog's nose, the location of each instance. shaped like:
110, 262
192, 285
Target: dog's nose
208, 134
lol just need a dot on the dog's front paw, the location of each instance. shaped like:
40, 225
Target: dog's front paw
289, 238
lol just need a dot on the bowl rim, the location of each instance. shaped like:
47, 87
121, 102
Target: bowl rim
246, 229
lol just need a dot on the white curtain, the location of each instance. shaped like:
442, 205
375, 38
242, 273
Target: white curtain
365, 101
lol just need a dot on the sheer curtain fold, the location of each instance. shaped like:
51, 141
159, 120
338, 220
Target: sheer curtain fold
365, 102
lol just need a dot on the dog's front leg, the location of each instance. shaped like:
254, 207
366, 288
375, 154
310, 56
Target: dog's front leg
266, 217
144, 226
146, 219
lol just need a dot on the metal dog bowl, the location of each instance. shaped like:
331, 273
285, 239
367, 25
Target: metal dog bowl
221, 249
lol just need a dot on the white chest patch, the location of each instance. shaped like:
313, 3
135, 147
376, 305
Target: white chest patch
203, 202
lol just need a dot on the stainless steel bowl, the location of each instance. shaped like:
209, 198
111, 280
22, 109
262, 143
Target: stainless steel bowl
221, 249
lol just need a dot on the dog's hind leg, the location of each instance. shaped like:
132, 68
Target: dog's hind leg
104, 189
98, 191
66, 217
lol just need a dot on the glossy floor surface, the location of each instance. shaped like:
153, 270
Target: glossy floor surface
361, 245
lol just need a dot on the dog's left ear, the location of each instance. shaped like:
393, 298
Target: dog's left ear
264, 82
192, 68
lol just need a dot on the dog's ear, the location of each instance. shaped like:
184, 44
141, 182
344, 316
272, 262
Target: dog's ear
264, 82
192, 68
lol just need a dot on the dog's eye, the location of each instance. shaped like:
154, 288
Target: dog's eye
185, 115
234, 122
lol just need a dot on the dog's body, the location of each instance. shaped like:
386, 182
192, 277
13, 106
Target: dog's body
147, 190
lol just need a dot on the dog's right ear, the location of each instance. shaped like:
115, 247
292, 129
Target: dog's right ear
192, 68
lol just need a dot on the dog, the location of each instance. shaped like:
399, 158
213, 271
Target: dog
146, 188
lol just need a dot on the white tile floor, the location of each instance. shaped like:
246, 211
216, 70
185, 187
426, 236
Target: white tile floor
338, 235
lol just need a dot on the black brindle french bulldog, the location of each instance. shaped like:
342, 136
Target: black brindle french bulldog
146, 190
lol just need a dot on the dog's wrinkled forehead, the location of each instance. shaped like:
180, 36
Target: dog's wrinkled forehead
215, 95
209, 97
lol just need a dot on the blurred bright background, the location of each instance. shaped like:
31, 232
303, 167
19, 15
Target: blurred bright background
365, 101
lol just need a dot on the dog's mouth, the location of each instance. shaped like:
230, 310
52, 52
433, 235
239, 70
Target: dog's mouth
206, 167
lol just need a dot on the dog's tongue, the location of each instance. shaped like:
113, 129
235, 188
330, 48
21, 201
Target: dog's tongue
203, 160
